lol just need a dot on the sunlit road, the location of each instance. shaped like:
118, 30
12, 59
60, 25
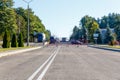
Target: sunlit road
61, 62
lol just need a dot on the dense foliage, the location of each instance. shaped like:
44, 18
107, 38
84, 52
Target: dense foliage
89, 25
16, 20
7, 17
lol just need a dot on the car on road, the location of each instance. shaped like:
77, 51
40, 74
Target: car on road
76, 42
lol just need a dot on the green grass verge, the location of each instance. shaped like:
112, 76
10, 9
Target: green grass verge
10, 49
0, 44
116, 47
107, 46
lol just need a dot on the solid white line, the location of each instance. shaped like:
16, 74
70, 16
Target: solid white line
46, 68
39, 69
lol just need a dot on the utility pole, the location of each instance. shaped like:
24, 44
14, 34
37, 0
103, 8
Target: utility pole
28, 28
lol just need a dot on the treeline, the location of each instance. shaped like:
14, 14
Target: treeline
90, 26
14, 20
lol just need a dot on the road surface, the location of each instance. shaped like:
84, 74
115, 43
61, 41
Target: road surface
61, 63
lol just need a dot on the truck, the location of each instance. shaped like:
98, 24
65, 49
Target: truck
41, 37
52, 40
64, 39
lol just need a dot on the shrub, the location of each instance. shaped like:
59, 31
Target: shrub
20, 40
112, 43
6, 40
14, 41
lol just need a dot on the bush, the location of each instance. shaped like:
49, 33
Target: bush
112, 43
6, 40
14, 41
20, 40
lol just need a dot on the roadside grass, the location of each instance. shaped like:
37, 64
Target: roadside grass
0, 44
10, 49
108, 46
116, 47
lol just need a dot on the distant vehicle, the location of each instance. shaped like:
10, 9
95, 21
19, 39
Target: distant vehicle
41, 37
76, 42
52, 40
64, 39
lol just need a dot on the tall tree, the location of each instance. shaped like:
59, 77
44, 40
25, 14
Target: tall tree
8, 18
93, 26
84, 33
21, 25
47, 34
35, 23
117, 30
89, 25
6, 3
108, 36
86, 20
76, 33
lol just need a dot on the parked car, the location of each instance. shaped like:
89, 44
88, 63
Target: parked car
76, 42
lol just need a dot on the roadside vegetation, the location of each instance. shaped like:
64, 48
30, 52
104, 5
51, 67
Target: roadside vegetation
10, 49
13, 25
107, 29
116, 47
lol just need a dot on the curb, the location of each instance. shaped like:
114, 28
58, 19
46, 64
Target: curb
17, 51
110, 49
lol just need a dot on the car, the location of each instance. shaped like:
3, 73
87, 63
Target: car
76, 42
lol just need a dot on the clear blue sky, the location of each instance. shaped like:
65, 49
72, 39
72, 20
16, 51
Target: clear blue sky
60, 16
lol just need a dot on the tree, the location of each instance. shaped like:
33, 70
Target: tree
35, 23
117, 31
93, 26
108, 35
14, 41
84, 33
20, 40
7, 17
21, 25
76, 33
6, 3
6, 40
99, 38
89, 26
103, 23
47, 34
117, 28
86, 20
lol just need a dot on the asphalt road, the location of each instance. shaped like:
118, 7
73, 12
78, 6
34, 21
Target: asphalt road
62, 63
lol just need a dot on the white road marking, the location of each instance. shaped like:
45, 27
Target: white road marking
46, 68
39, 69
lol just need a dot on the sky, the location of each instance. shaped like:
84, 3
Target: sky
60, 16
